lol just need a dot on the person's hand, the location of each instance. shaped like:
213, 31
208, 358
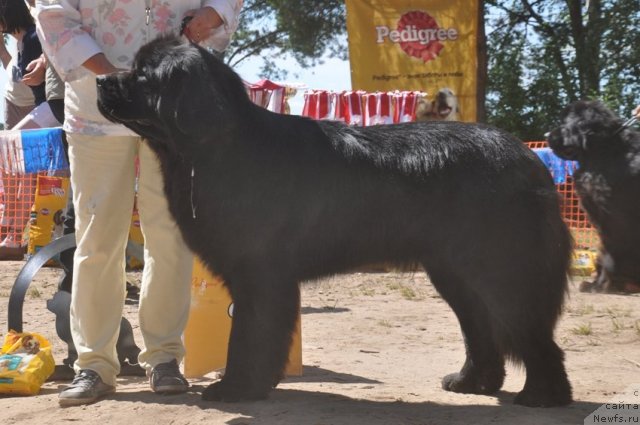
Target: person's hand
36, 72
202, 22
636, 112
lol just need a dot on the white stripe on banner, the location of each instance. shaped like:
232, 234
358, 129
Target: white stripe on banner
11, 153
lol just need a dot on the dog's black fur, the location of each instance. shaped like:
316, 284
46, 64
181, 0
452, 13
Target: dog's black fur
281, 199
608, 184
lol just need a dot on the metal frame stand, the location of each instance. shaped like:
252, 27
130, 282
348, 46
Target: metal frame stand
59, 305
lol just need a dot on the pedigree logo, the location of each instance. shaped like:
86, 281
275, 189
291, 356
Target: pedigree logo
418, 35
49, 186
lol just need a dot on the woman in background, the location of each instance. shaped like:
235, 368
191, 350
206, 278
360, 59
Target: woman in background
16, 21
83, 39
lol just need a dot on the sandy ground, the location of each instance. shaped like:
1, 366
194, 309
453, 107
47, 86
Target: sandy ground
375, 346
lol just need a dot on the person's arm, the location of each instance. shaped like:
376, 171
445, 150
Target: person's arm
5, 56
66, 44
99, 64
636, 111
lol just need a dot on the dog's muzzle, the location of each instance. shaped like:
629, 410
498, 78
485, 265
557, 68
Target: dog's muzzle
111, 87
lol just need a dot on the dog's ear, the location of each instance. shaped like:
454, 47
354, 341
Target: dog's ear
190, 107
197, 109
424, 109
594, 118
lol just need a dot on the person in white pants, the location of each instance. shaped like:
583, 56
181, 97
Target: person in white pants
82, 39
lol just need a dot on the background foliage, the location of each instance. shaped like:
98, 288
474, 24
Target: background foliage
544, 54
541, 54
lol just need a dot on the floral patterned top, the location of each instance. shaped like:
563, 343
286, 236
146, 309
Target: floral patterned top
72, 31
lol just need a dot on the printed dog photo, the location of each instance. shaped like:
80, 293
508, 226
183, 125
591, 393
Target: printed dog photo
444, 107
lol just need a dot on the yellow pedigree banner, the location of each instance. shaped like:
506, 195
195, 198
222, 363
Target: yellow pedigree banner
421, 45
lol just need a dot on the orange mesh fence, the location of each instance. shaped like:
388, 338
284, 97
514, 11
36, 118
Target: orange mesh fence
16, 200
24, 154
537, 145
584, 234
17, 197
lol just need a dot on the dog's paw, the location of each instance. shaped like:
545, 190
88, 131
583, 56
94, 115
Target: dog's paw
223, 391
533, 398
470, 384
586, 286
213, 392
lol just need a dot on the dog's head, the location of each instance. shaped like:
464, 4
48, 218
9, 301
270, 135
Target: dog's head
443, 107
176, 92
585, 126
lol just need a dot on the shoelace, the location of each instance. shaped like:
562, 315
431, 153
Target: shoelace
166, 367
165, 370
85, 379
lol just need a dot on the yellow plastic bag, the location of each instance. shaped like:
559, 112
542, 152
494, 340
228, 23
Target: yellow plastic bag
26, 362
583, 262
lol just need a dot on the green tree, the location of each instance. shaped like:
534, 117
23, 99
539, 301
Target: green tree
307, 30
541, 54
544, 54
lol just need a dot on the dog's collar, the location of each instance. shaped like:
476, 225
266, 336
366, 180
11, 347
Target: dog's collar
626, 124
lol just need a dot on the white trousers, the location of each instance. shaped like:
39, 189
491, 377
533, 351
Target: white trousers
103, 184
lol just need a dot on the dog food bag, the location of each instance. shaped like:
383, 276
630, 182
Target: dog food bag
135, 236
584, 262
26, 362
45, 223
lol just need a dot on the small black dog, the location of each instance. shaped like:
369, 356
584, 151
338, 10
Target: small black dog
608, 184
268, 201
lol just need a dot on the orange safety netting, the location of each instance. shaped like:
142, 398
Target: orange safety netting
17, 195
584, 234
16, 200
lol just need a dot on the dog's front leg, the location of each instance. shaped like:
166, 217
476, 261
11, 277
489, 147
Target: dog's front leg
264, 319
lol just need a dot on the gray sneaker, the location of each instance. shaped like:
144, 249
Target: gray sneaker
166, 378
87, 387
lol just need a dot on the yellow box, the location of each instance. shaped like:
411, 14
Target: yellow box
207, 334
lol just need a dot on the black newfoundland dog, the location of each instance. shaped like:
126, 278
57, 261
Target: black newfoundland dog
268, 201
608, 184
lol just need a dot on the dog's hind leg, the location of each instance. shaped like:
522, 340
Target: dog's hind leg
483, 371
263, 323
547, 384
525, 304
527, 328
